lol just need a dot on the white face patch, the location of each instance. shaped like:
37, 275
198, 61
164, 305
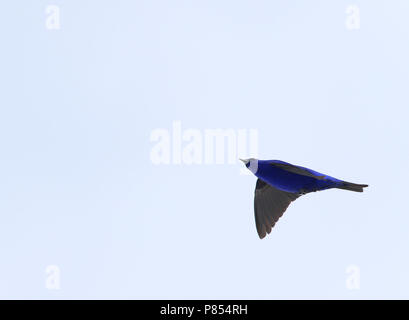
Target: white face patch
252, 164
253, 167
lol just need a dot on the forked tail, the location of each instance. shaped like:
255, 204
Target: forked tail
352, 186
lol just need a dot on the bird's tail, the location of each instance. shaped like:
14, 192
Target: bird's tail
352, 186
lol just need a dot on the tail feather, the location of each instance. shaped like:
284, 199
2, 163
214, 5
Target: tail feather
352, 186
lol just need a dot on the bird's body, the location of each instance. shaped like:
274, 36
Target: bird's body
279, 183
276, 174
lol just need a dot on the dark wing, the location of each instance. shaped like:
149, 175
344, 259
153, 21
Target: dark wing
298, 170
269, 205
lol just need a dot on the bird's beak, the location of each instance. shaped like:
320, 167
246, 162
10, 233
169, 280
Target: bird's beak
245, 161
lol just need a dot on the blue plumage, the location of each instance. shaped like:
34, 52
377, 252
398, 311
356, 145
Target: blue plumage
279, 177
279, 183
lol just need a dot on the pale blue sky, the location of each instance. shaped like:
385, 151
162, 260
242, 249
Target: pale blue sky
78, 189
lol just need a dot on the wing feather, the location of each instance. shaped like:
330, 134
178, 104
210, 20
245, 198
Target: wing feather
269, 205
298, 170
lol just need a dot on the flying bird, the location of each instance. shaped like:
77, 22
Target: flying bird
279, 183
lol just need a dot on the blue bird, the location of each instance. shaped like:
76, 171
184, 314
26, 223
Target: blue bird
279, 183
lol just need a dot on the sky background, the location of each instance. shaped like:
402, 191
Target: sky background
78, 188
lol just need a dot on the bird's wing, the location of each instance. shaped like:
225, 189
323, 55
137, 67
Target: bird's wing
298, 170
269, 205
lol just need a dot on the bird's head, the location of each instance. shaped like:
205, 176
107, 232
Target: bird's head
251, 164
